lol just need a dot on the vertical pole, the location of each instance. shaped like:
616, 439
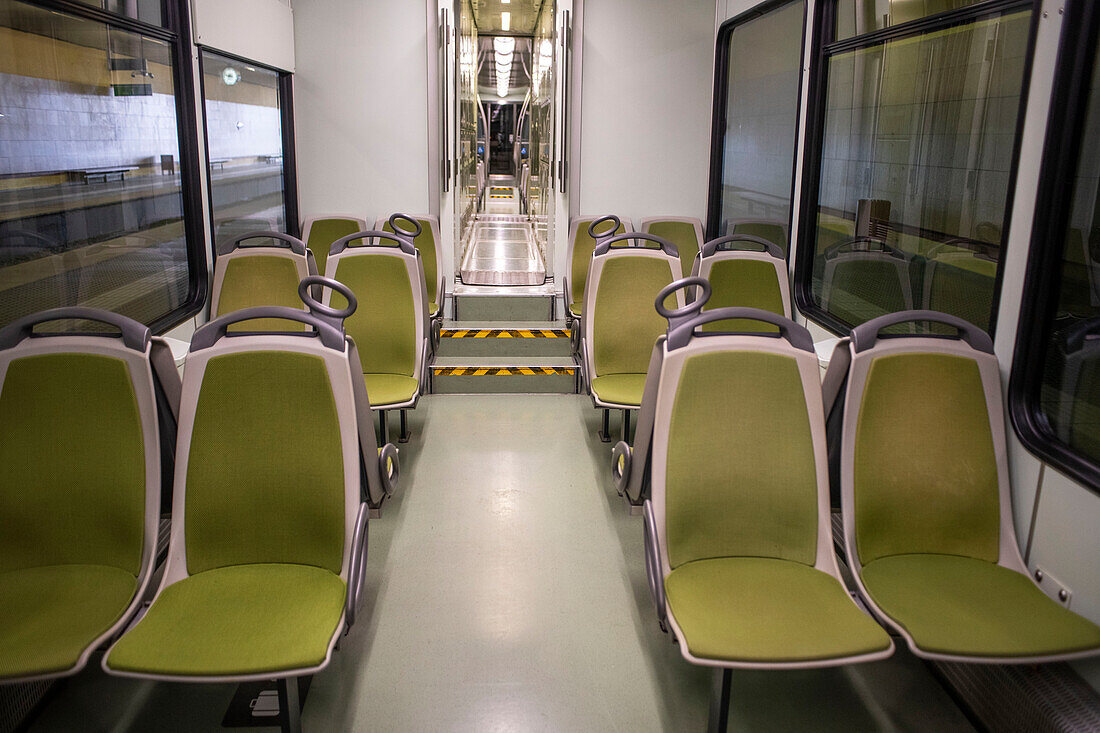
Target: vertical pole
290, 712
720, 701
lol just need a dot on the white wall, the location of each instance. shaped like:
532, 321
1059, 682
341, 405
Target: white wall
360, 107
260, 30
646, 95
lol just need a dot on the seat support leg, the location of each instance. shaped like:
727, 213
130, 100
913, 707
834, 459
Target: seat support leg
718, 720
383, 427
605, 429
405, 435
626, 426
290, 711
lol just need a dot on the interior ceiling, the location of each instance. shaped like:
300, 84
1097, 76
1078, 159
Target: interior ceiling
521, 75
524, 15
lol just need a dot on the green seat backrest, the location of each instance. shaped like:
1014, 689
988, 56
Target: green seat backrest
72, 463
740, 478
924, 470
680, 233
583, 244
384, 324
963, 287
624, 322
265, 474
863, 288
256, 280
425, 243
1084, 401
323, 232
750, 283
765, 230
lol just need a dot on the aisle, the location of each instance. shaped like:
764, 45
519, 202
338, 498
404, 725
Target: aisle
503, 252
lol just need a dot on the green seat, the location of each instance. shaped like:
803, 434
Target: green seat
742, 276
685, 232
620, 389
769, 229
247, 276
390, 389
320, 232
924, 479
427, 244
581, 245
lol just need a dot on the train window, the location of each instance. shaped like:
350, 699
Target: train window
911, 165
147, 11
856, 17
245, 141
1054, 391
756, 121
92, 205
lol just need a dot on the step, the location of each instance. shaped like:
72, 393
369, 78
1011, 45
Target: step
494, 375
505, 302
504, 339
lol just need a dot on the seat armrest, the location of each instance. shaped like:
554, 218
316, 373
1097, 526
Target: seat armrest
621, 456
389, 468
357, 566
653, 566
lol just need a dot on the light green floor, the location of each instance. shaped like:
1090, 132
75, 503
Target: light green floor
506, 592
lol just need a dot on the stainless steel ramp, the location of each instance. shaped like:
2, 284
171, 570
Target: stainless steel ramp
503, 252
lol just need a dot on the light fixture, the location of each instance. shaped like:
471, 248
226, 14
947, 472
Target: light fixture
503, 52
506, 21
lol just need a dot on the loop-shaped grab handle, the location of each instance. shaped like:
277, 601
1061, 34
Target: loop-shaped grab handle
134, 335
603, 246
330, 332
676, 315
621, 456
769, 246
389, 468
399, 242
865, 335
407, 233
315, 306
881, 247
615, 221
681, 333
1076, 335
296, 245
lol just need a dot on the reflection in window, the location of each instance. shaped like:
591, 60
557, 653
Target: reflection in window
244, 137
915, 171
761, 114
856, 17
91, 209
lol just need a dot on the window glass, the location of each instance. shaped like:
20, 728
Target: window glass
91, 207
916, 166
244, 137
148, 11
1069, 394
761, 113
856, 17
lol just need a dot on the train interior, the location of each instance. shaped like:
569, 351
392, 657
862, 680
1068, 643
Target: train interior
549, 365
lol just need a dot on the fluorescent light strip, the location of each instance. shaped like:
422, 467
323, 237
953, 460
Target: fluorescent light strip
506, 21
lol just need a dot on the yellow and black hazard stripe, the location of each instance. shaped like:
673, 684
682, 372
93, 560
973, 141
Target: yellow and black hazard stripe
500, 190
487, 333
445, 371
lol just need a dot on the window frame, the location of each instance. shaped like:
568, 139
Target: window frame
823, 48
291, 222
1076, 61
720, 97
176, 32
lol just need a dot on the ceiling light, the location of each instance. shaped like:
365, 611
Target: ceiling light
506, 21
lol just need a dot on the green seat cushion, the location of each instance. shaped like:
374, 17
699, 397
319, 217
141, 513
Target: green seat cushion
754, 609
433, 308
49, 615
236, 620
576, 308
746, 283
322, 234
619, 389
965, 606
390, 389
256, 280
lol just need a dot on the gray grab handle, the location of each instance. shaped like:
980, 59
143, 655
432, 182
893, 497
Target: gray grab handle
1076, 335
296, 245
679, 315
400, 242
770, 247
604, 245
407, 233
681, 333
317, 307
615, 221
135, 335
865, 335
331, 335
835, 250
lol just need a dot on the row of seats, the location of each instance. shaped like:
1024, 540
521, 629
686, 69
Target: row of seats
276, 470
730, 465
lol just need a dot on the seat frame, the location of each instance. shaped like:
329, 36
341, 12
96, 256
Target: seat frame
710, 253
574, 227
432, 221
294, 250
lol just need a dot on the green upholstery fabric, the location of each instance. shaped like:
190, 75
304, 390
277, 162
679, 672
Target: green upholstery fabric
384, 324
260, 279
577, 308
49, 615
925, 476
390, 389
960, 605
322, 234
583, 245
625, 323
72, 464
244, 619
425, 243
765, 230
963, 287
265, 475
682, 234
620, 389
748, 283
740, 477
862, 289
754, 609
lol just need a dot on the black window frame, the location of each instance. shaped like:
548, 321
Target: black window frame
291, 222
176, 32
824, 26
1077, 57
720, 97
